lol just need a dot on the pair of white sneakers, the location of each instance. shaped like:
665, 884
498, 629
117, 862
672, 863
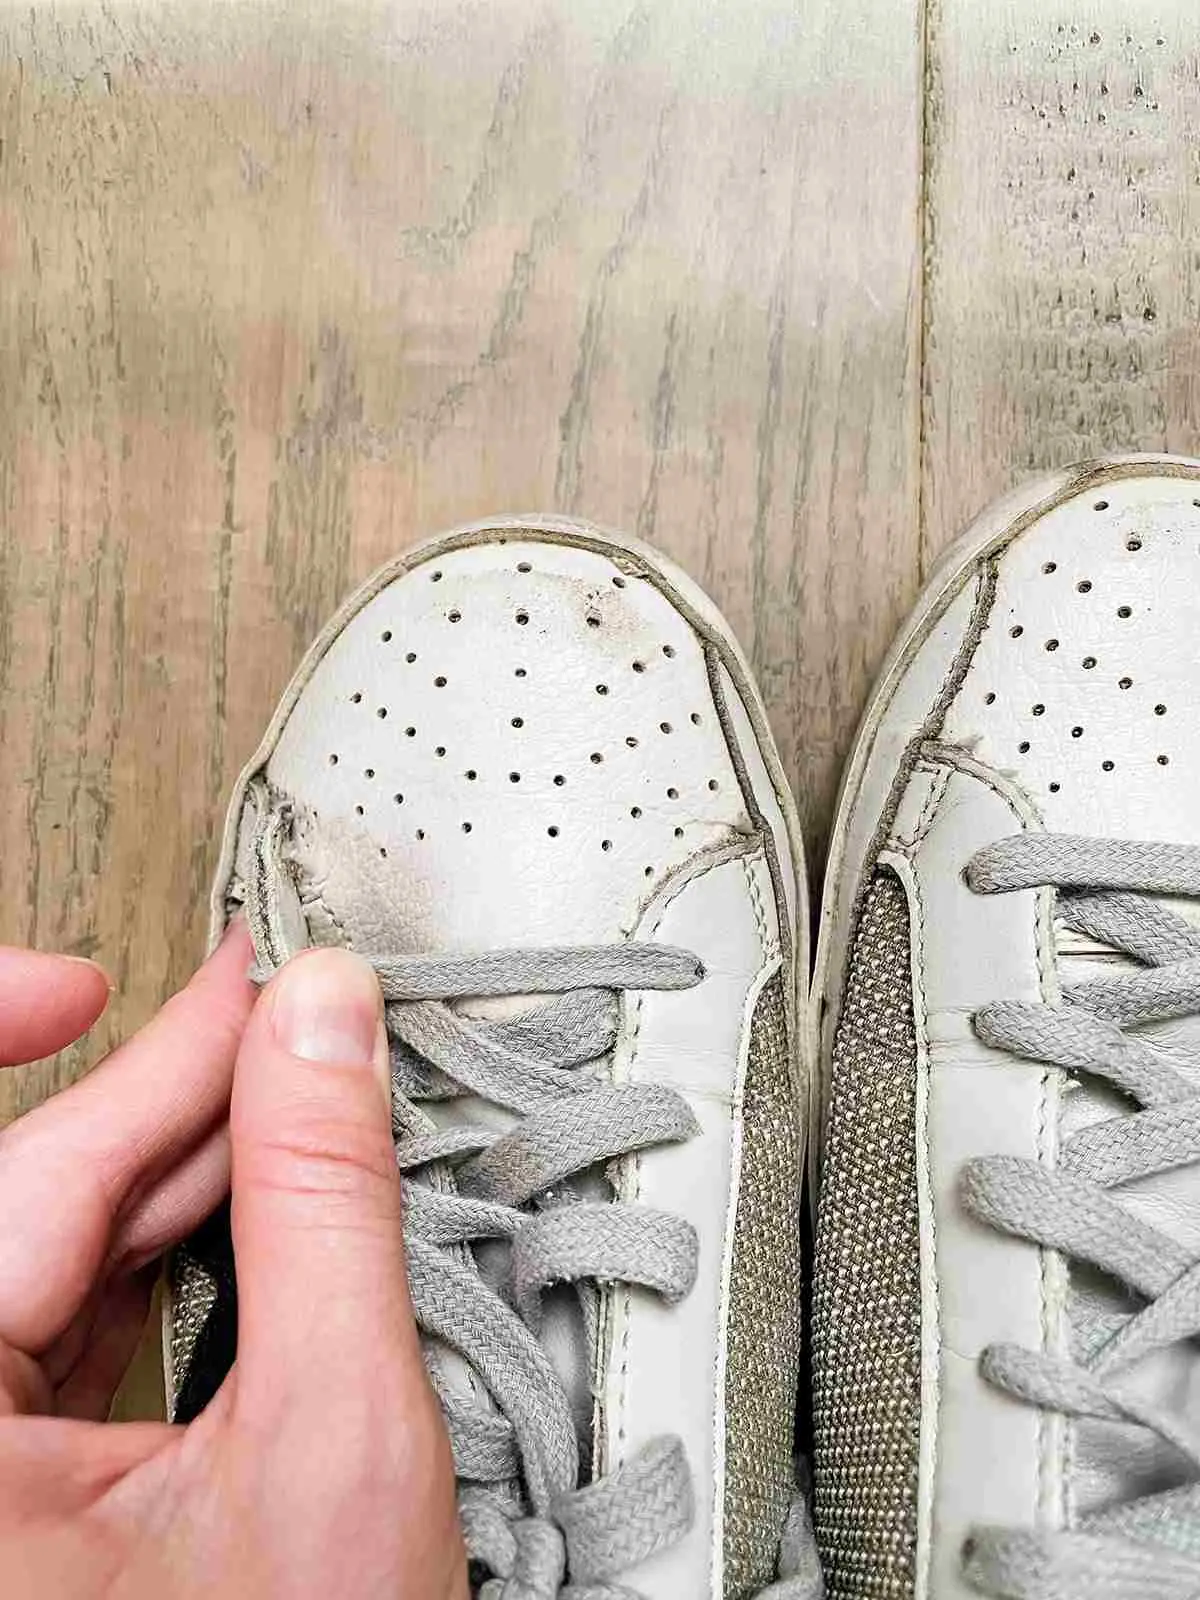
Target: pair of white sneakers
526, 772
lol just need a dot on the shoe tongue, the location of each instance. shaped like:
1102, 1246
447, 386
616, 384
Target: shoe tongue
1115, 1462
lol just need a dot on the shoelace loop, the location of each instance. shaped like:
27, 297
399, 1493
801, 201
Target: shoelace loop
1150, 1546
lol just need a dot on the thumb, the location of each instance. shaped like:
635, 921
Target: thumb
322, 1294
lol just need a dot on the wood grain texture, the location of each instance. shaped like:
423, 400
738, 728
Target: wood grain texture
285, 286
1062, 294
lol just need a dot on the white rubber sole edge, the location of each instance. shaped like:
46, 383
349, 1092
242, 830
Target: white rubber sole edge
870, 775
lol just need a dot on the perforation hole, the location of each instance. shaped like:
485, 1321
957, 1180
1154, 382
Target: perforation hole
439, 682
1016, 631
440, 751
1124, 612
368, 772
1125, 683
679, 833
333, 760
524, 566
631, 741
1164, 761
606, 844
1055, 787
518, 722
1089, 663
1051, 566
713, 785
1133, 544
1039, 710
601, 688
381, 712
1077, 732
639, 666
435, 577
360, 811
552, 831
520, 673
595, 758
618, 583
386, 636
696, 719
559, 780
1160, 710
989, 699
648, 872
410, 733
669, 651
466, 827
665, 727
522, 618
470, 774
672, 794
411, 657
593, 621
454, 616
383, 852
514, 777
1084, 586
356, 698
1023, 747
398, 799
1107, 766
635, 812
1051, 644
1101, 505
420, 833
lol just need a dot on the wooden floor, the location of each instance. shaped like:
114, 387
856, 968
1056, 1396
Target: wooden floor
791, 289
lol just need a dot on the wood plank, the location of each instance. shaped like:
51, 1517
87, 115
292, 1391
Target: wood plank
1062, 297
282, 288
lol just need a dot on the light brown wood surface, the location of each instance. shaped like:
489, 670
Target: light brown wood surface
791, 290
1062, 287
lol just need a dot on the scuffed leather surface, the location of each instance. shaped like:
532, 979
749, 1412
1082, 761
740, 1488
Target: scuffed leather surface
981, 1454
1064, 585
652, 840
508, 880
1077, 705
661, 1368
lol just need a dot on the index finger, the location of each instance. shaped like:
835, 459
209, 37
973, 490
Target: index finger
46, 1002
71, 1169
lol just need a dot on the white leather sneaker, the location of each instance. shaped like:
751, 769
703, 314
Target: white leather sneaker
526, 773
1007, 1398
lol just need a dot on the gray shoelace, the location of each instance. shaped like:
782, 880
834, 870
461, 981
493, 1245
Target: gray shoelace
1149, 1548
529, 1525
525, 1518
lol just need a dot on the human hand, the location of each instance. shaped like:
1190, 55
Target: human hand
322, 1467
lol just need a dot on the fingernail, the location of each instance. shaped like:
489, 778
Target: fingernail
326, 1006
85, 961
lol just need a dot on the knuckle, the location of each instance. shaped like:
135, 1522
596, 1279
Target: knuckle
323, 1155
24, 1390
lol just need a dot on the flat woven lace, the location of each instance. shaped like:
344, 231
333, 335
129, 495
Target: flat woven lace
1149, 1546
525, 1518
532, 1531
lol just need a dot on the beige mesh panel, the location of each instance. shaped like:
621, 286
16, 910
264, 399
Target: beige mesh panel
866, 1291
762, 1373
194, 1294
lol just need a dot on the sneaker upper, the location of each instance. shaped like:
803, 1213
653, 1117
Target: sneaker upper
525, 773
1006, 1395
